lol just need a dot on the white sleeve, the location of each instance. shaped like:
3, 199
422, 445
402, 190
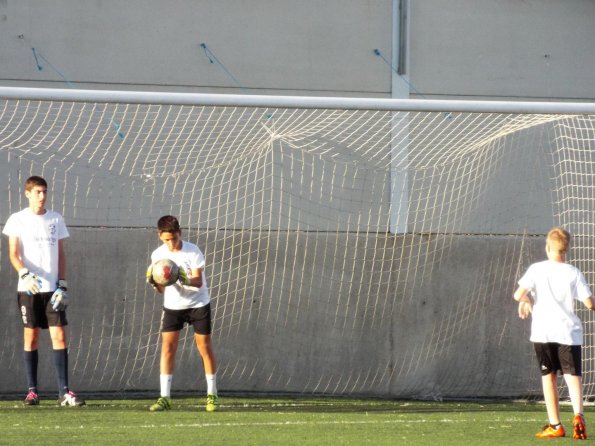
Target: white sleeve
11, 228
582, 288
198, 260
62, 230
527, 281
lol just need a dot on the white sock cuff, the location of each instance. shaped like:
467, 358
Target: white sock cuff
165, 381
211, 384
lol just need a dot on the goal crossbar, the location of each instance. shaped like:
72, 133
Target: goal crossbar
295, 102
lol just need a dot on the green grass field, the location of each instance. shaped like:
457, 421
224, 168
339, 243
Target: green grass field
279, 421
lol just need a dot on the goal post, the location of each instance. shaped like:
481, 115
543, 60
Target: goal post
354, 246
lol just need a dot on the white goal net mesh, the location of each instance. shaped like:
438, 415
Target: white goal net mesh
352, 252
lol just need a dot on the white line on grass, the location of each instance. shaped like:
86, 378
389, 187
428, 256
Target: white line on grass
495, 421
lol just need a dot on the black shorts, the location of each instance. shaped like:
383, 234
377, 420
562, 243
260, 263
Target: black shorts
199, 318
553, 357
37, 312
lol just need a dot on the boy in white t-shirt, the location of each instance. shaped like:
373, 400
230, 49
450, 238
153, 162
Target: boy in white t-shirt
548, 291
185, 302
36, 250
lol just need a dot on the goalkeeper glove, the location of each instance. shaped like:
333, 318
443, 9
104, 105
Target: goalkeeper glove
31, 281
59, 300
183, 277
149, 276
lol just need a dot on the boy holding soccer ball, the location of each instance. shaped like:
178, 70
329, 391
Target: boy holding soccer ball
36, 250
184, 301
547, 291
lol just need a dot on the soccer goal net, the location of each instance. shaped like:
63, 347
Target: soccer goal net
354, 247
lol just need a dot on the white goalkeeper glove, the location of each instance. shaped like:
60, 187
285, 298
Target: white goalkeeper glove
31, 281
59, 300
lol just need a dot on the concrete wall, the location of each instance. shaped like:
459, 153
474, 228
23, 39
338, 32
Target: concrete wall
503, 49
321, 47
465, 48
455, 335
424, 339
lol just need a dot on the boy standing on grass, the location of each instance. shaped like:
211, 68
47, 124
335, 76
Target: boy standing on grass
186, 301
36, 250
547, 291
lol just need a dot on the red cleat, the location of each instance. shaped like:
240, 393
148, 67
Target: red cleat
578, 427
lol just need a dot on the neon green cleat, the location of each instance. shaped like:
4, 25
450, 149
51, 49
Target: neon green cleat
163, 403
212, 403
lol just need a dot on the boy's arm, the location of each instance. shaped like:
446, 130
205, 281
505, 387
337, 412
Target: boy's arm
61, 260
521, 295
195, 279
14, 253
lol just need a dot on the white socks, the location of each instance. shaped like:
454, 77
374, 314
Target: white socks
165, 385
211, 384
167, 379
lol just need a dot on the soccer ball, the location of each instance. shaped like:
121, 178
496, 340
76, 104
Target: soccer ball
165, 272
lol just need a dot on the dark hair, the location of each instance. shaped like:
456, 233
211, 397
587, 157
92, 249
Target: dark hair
168, 223
35, 181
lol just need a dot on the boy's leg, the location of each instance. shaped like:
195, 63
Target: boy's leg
31, 338
31, 361
205, 348
31, 357
551, 397
167, 364
31, 310
57, 329
169, 347
575, 391
60, 353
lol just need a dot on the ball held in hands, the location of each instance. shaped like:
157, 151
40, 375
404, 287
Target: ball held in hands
164, 272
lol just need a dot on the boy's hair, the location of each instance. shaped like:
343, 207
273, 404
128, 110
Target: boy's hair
168, 223
558, 239
35, 181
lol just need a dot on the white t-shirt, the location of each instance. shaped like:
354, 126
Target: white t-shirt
554, 287
38, 236
181, 297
